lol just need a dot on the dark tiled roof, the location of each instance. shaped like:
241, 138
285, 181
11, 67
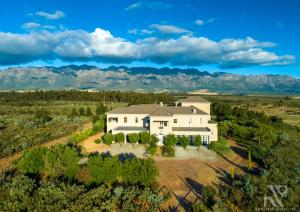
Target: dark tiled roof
196, 129
131, 128
193, 99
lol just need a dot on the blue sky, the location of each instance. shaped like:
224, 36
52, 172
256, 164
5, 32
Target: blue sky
247, 37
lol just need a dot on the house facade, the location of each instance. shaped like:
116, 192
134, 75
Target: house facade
189, 117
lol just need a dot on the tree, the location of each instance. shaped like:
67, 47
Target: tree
101, 109
74, 112
170, 140
145, 137
104, 169
153, 140
133, 138
197, 140
183, 141
120, 137
81, 111
33, 161
108, 138
88, 112
62, 161
249, 160
43, 116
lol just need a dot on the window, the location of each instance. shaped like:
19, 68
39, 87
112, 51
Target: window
175, 121
190, 120
165, 123
136, 119
125, 119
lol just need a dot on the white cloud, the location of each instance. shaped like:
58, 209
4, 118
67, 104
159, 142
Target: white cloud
133, 31
134, 6
52, 16
169, 29
101, 45
152, 5
140, 31
31, 25
199, 22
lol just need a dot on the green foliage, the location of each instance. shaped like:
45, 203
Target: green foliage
81, 111
97, 141
101, 109
145, 137
61, 161
133, 138
221, 146
104, 169
43, 116
197, 140
183, 141
170, 140
119, 137
32, 161
81, 136
99, 125
249, 160
108, 138
139, 171
74, 112
88, 112
168, 151
153, 140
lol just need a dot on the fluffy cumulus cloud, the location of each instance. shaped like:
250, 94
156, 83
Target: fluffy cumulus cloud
52, 16
100, 45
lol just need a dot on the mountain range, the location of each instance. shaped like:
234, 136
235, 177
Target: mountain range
143, 79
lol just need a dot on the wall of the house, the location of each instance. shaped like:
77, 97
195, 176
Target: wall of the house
204, 106
142, 120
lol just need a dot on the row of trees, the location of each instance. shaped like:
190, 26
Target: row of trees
75, 95
100, 109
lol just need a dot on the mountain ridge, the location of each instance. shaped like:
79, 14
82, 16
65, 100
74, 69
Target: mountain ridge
146, 79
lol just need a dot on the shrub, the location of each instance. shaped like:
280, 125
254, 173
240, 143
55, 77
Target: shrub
133, 138
108, 138
168, 151
197, 140
145, 137
183, 141
170, 140
33, 161
120, 138
153, 140
152, 150
97, 141
99, 125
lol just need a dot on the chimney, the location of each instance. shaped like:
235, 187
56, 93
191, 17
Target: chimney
161, 104
194, 110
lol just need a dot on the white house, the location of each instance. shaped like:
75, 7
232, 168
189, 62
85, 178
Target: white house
190, 117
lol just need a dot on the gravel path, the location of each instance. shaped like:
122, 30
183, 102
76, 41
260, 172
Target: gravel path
194, 152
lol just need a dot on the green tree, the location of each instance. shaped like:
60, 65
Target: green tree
62, 161
108, 138
249, 160
74, 112
145, 137
183, 141
101, 109
133, 138
88, 112
170, 140
104, 169
32, 161
153, 140
197, 140
120, 137
81, 111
